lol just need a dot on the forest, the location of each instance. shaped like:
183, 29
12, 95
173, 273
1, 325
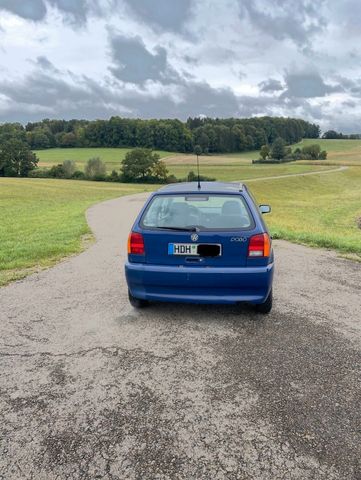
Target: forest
213, 135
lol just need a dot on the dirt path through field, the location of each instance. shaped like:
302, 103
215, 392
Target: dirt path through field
319, 172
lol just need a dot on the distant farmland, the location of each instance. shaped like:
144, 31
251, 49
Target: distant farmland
339, 152
112, 157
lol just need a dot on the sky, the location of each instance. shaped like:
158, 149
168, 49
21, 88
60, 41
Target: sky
179, 58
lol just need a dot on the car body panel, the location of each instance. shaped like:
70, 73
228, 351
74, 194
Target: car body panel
230, 278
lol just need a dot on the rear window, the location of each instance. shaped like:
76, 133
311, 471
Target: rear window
206, 212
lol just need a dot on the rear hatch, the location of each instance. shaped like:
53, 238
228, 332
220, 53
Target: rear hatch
202, 248
200, 229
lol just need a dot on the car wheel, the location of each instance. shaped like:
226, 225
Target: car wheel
265, 307
137, 302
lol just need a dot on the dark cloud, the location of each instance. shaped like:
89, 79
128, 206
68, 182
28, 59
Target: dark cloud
349, 104
163, 14
75, 11
296, 20
43, 94
194, 99
44, 64
29, 9
351, 86
271, 85
308, 85
135, 64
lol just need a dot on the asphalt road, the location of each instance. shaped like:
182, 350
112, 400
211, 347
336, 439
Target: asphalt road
90, 388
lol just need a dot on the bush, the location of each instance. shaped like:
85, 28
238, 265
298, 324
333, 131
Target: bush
172, 179
275, 160
114, 177
95, 169
78, 175
39, 173
264, 152
57, 171
193, 177
313, 151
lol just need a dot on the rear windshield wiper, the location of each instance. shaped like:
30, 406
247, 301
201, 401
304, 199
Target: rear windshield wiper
180, 229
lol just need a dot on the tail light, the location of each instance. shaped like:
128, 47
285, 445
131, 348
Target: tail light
259, 246
136, 244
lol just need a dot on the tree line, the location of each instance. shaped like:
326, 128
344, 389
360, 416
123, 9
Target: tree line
332, 134
213, 135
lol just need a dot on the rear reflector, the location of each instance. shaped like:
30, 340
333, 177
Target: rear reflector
136, 244
259, 246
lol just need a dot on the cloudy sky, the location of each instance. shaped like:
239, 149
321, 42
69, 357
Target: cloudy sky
179, 58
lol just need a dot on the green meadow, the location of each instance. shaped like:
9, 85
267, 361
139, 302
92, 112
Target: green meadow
339, 152
317, 210
112, 157
42, 221
234, 172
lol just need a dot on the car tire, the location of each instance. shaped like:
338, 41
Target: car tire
137, 302
265, 307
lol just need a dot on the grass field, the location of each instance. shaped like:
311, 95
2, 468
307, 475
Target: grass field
339, 152
43, 220
229, 167
112, 157
243, 172
319, 210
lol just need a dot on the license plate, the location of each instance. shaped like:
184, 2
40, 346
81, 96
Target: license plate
182, 249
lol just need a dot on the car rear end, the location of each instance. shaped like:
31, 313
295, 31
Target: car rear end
200, 247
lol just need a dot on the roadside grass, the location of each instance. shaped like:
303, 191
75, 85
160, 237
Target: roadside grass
317, 210
112, 157
43, 220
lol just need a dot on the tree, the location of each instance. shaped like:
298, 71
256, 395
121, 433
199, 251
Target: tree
69, 168
332, 134
322, 155
278, 149
38, 139
198, 150
159, 171
16, 158
264, 152
95, 169
139, 164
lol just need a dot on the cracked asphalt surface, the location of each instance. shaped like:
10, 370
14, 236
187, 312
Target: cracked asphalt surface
92, 389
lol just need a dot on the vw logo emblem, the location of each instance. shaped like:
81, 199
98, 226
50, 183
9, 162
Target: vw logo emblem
194, 237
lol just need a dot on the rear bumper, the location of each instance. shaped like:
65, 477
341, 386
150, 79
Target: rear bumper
199, 284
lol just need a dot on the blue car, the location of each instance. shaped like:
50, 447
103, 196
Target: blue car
206, 244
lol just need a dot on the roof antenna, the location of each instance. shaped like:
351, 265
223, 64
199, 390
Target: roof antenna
198, 151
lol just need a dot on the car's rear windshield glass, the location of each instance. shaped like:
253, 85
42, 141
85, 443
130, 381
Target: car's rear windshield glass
206, 212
